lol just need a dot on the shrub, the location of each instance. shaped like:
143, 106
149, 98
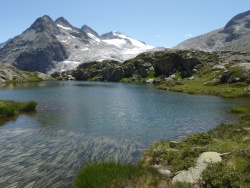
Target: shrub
200, 139
220, 175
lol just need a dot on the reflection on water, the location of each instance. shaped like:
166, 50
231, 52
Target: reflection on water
81, 122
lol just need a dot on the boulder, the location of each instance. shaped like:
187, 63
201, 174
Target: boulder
113, 74
151, 81
193, 174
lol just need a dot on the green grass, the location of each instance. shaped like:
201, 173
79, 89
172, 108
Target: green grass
11, 108
109, 174
240, 109
206, 82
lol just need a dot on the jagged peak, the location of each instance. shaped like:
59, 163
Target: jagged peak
44, 23
88, 29
112, 35
63, 21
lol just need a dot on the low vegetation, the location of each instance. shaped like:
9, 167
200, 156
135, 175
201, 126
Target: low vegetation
209, 80
11, 108
232, 141
108, 175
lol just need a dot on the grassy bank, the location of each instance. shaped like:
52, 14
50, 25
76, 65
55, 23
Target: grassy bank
209, 80
11, 108
233, 141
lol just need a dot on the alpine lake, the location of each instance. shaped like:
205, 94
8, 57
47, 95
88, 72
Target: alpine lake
77, 123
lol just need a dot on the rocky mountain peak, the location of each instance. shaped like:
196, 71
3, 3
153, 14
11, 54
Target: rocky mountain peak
62, 21
112, 35
88, 30
242, 17
49, 46
45, 23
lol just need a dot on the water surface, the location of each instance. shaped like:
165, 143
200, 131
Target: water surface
81, 122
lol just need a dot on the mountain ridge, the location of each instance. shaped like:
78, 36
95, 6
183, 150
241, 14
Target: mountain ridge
234, 36
48, 46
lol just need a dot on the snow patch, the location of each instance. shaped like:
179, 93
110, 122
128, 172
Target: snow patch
93, 37
85, 49
116, 42
65, 41
67, 28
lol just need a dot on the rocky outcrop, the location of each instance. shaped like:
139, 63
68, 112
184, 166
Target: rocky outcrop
9, 73
193, 174
165, 65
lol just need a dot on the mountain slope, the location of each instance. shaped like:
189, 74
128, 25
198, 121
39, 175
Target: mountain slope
36, 49
234, 36
2, 44
49, 46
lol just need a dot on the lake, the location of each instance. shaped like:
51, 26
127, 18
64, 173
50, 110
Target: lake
81, 122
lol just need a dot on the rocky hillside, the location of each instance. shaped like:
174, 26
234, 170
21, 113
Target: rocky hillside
9, 73
2, 44
178, 70
49, 46
235, 36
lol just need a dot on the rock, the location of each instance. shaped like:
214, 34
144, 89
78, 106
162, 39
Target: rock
209, 157
113, 74
246, 89
151, 81
164, 172
173, 76
191, 78
10, 73
183, 176
194, 71
193, 174
157, 166
174, 144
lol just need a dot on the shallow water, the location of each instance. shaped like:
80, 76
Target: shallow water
80, 122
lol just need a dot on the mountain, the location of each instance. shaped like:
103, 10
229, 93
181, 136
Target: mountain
2, 44
48, 46
234, 36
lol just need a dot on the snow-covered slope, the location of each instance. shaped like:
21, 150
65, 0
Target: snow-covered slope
122, 41
111, 46
79, 45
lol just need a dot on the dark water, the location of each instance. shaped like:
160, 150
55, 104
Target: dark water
81, 122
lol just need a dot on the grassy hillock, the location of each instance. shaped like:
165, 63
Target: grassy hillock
11, 108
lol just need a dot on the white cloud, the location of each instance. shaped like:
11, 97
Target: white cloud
158, 36
188, 35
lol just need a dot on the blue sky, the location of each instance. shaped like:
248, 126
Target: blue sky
156, 22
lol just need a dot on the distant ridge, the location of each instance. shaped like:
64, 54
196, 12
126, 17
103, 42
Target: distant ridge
235, 36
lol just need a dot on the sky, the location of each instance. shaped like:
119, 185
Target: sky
160, 23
